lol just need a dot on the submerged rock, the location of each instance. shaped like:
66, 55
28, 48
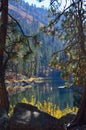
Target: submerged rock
28, 117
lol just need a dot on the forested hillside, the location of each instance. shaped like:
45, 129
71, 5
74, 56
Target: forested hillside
28, 15
38, 69
31, 19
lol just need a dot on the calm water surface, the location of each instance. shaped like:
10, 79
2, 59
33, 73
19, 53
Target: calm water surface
52, 90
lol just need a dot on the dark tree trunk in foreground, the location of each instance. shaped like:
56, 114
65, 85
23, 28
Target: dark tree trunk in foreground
4, 102
81, 115
80, 118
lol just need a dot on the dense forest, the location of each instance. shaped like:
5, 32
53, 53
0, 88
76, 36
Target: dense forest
43, 65
31, 19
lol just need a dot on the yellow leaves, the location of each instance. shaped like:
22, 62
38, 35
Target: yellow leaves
31, 79
58, 113
24, 100
32, 102
50, 107
39, 105
11, 109
45, 106
39, 79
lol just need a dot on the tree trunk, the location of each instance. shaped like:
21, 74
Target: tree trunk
80, 118
81, 115
4, 102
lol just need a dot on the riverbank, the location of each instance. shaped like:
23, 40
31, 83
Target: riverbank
39, 95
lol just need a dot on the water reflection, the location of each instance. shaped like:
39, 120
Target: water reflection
59, 96
48, 90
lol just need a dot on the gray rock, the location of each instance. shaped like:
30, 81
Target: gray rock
28, 117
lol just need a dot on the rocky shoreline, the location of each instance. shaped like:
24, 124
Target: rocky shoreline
28, 117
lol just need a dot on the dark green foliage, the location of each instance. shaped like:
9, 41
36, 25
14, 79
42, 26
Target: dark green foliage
36, 49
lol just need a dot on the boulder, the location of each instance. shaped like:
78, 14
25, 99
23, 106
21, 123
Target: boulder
28, 117
67, 118
66, 122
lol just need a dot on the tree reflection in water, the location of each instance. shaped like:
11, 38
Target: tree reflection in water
48, 90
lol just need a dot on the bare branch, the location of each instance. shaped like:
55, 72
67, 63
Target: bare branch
69, 45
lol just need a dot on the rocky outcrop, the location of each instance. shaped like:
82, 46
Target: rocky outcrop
28, 117
66, 122
67, 118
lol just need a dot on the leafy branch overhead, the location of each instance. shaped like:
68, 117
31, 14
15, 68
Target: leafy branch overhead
68, 25
18, 44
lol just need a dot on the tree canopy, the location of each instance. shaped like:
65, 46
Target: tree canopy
69, 25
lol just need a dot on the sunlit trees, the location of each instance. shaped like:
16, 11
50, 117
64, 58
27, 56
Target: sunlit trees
68, 23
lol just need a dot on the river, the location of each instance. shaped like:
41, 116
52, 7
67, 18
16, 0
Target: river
52, 90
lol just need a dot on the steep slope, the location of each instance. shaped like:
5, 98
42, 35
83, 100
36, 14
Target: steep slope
21, 13
31, 18
29, 14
